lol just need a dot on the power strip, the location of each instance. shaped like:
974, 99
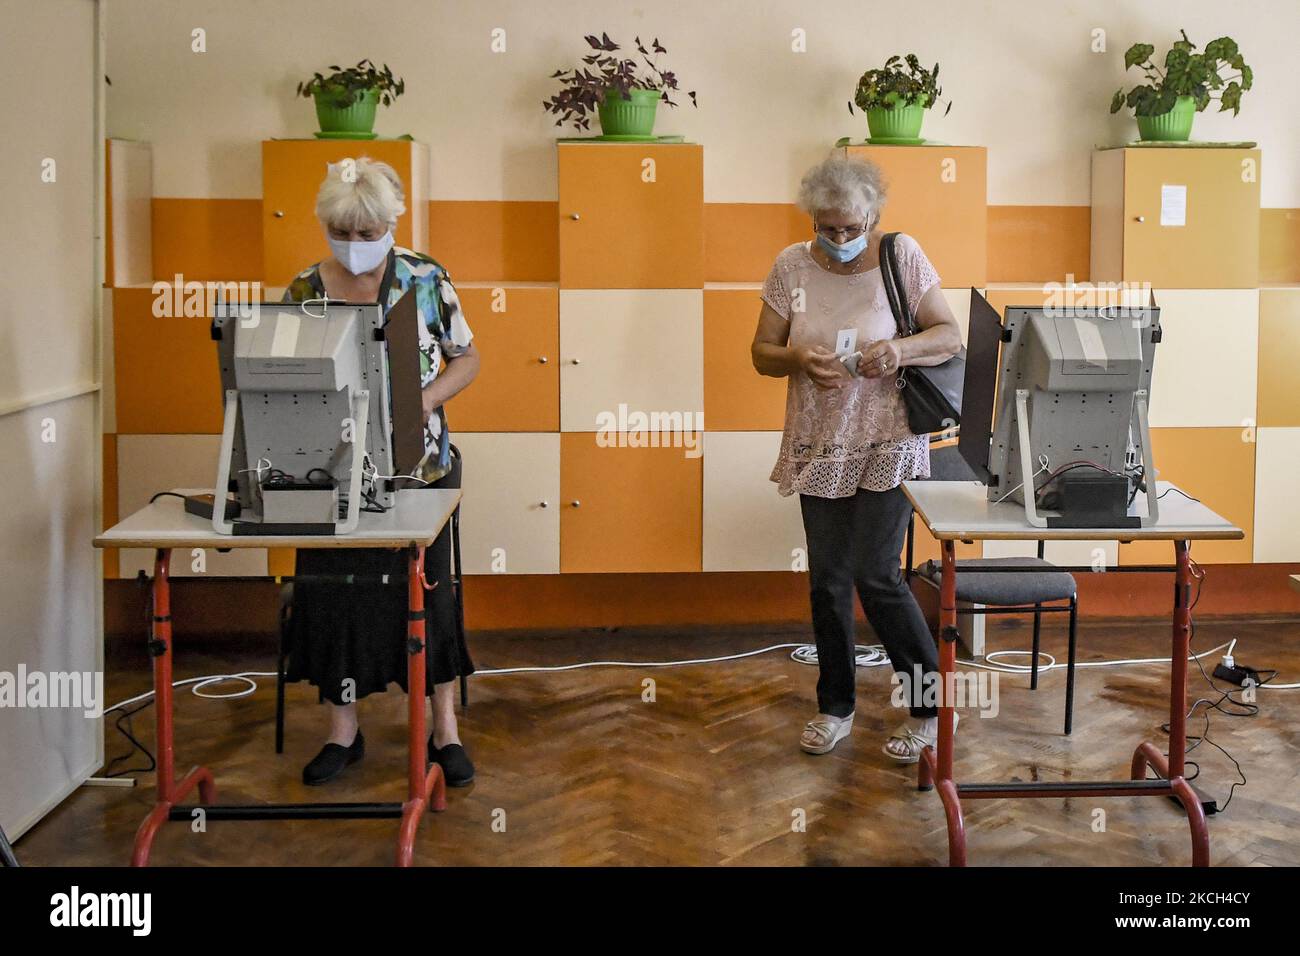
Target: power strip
1208, 804
1236, 674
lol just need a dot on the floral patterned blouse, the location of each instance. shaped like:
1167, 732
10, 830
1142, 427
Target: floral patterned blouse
444, 333
838, 440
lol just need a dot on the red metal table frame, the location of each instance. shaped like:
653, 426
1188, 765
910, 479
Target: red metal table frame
426, 787
935, 769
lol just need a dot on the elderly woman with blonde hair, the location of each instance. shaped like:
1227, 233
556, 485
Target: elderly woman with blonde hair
349, 641
827, 327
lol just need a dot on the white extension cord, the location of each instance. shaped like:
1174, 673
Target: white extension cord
866, 655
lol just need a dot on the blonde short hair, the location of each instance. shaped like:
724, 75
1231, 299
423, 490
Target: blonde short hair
360, 193
843, 184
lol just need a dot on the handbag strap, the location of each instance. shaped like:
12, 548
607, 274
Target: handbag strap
893, 282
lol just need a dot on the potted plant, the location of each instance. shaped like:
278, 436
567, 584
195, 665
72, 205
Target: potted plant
1165, 105
346, 99
895, 98
622, 91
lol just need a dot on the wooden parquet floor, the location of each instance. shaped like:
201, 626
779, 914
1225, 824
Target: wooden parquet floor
582, 771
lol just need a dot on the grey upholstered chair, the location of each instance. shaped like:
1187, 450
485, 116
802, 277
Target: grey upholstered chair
1004, 592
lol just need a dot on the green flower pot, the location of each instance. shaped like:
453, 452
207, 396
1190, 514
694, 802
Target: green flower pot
631, 115
357, 118
1171, 127
903, 122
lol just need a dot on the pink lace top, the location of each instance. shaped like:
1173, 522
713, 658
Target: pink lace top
839, 440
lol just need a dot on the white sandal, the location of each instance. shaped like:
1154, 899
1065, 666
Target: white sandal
909, 733
823, 732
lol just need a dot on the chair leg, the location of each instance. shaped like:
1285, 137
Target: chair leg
1038, 629
1069, 668
279, 690
456, 587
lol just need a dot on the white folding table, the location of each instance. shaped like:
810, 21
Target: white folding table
413, 523
961, 511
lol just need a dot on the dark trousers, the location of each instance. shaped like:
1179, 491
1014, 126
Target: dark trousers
855, 542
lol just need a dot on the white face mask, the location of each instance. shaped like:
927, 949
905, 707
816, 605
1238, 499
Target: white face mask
359, 257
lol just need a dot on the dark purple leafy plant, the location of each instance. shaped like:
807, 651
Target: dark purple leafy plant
583, 88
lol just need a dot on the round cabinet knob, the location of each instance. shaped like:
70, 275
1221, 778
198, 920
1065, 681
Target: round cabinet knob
543, 504
574, 216
543, 360
1141, 218
278, 214
575, 503
577, 361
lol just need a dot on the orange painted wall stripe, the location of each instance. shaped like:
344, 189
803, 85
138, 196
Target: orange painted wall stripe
487, 241
1038, 243
207, 239
741, 240
516, 241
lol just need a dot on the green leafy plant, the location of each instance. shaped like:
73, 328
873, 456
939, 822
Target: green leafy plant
583, 88
902, 81
1186, 73
345, 87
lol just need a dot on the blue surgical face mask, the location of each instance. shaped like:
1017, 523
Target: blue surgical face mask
843, 251
359, 257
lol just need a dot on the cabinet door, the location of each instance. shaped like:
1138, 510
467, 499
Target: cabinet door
938, 196
1206, 364
628, 509
166, 374
631, 216
148, 464
1218, 247
1218, 466
633, 351
517, 332
747, 525
510, 514
292, 171
737, 398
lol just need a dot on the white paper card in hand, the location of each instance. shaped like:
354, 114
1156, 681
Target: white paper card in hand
846, 340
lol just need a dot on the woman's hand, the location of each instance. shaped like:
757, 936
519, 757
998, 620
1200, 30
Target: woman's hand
880, 358
822, 366
430, 400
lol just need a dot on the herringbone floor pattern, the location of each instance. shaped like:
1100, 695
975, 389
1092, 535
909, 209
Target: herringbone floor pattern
576, 768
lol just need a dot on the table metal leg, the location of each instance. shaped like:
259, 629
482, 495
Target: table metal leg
935, 770
170, 791
1147, 754
425, 784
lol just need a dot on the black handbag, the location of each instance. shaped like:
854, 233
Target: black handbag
932, 393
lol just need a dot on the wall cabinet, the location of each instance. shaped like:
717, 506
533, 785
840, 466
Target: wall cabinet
640, 349
938, 195
510, 505
631, 215
1181, 218
627, 509
737, 398
517, 331
292, 171
747, 525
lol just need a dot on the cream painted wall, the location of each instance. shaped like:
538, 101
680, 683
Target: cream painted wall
1021, 74
49, 407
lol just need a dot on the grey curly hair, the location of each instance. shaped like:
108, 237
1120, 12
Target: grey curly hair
844, 184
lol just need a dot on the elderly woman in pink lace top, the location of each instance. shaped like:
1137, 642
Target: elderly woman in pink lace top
826, 325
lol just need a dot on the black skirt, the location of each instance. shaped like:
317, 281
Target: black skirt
349, 640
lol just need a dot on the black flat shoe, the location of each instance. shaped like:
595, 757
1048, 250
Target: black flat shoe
455, 763
332, 761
